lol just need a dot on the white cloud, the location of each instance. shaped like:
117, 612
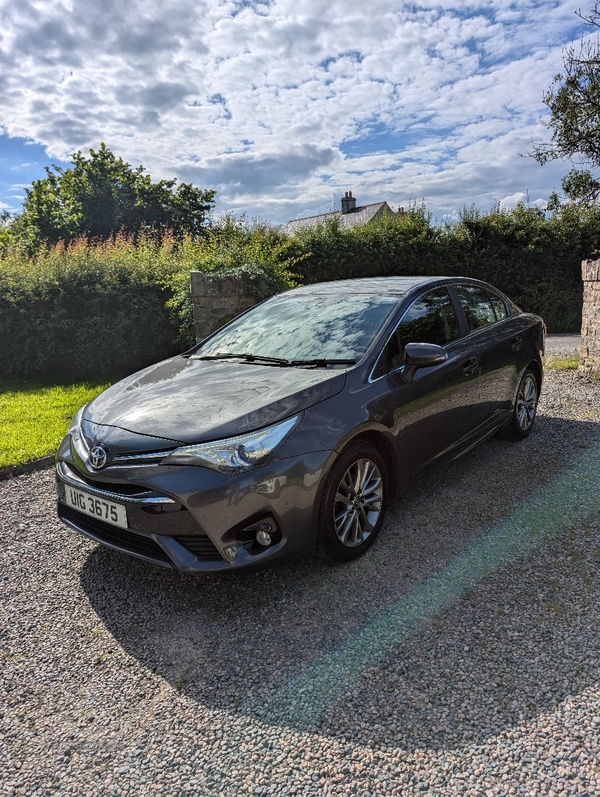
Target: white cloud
260, 100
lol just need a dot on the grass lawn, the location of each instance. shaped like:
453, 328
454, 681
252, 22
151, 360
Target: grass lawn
35, 416
561, 363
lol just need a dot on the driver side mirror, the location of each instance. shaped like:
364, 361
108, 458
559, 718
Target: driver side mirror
421, 355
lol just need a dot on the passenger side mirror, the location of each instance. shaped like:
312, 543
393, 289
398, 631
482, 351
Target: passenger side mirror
421, 355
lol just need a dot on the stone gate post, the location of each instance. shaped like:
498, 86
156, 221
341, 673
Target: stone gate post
216, 301
589, 353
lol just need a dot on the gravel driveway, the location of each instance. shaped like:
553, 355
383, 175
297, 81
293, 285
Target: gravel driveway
460, 656
564, 344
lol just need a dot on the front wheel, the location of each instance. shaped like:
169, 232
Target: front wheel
354, 503
525, 408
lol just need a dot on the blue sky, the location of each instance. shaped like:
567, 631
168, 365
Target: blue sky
284, 105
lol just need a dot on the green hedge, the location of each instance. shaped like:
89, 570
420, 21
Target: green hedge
536, 260
102, 310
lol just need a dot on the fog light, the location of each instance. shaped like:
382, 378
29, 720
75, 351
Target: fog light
259, 535
263, 538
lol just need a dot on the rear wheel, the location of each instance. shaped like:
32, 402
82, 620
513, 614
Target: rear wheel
354, 503
525, 408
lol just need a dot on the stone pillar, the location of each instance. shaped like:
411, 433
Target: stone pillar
589, 354
216, 301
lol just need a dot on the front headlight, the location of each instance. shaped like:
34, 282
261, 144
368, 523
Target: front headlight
75, 426
235, 454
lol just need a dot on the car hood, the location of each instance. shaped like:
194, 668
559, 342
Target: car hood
185, 400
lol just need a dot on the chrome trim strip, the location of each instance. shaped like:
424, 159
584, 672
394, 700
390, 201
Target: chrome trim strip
372, 381
80, 484
157, 455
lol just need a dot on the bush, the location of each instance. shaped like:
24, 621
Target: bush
533, 258
392, 245
101, 310
83, 311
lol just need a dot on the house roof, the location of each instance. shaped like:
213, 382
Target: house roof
354, 218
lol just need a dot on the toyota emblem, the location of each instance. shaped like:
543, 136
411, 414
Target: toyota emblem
98, 457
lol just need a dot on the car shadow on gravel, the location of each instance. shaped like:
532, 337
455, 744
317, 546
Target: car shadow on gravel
477, 609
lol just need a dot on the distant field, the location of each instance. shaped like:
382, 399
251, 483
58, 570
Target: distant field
34, 417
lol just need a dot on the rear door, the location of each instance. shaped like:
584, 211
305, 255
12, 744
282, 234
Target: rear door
495, 341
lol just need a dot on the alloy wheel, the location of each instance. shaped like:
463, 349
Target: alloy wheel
526, 402
358, 503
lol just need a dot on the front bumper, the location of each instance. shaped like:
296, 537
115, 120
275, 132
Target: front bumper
194, 519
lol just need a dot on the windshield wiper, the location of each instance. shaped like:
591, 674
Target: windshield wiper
250, 358
317, 362
323, 362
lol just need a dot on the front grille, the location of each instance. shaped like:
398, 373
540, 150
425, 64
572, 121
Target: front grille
111, 535
200, 545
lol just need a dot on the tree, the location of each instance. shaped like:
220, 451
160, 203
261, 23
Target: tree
6, 235
574, 102
101, 195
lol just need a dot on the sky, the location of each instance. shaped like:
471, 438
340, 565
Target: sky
284, 105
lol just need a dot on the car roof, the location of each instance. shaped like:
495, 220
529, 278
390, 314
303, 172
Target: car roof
390, 286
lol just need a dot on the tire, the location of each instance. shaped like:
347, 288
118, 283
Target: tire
354, 503
525, 409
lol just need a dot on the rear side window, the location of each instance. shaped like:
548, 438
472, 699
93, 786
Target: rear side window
477, 306
499, 306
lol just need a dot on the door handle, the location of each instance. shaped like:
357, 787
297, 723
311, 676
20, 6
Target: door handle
517, 343
471, 367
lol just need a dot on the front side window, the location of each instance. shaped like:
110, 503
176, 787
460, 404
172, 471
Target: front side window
477, 306
429, 319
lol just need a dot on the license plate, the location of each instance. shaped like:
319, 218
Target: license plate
96, 507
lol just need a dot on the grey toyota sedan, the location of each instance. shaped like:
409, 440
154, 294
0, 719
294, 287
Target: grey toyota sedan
293, 427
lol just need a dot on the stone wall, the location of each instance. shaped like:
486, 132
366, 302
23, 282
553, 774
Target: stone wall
589, 354
216, 301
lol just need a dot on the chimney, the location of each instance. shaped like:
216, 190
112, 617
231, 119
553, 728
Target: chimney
348, 203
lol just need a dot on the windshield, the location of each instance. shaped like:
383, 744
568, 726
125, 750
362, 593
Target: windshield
305, 327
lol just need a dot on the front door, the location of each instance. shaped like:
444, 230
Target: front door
437, 410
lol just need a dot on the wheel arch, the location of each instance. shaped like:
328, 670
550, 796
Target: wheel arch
381, 442
536, 367
369, 443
